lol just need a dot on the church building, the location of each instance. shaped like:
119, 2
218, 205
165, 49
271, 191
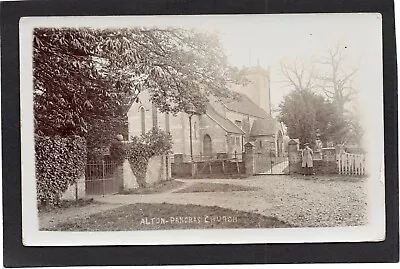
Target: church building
225, 127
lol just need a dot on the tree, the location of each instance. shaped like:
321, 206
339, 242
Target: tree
336, 81
356, 130
85, 74
102, 131
303, 112
298, 76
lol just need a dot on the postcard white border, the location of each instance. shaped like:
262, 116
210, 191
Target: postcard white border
374, 231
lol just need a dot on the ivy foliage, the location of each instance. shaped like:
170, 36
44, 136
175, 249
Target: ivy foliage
81, 74
118, 151
59, 162
142, 148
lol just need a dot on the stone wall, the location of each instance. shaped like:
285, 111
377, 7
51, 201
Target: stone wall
181, 169
184, 169
320, 167
73, 191
324, 166
180, 131
157, 171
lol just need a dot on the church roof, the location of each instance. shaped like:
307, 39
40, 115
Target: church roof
266, 126
226, 124
244, 105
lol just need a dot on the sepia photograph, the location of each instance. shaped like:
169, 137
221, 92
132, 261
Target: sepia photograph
202, 129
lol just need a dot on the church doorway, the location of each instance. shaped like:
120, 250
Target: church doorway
207, 146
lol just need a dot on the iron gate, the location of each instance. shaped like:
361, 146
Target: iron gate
267, 163
101, 178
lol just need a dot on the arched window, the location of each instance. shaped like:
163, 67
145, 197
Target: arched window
154, 116
207, 146
167, 122
143, 119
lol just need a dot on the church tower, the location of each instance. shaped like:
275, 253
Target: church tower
258, 87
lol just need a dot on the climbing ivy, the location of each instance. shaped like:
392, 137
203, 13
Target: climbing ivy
142, 148
60, 161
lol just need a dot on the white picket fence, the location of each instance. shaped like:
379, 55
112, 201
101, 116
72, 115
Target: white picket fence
351, 164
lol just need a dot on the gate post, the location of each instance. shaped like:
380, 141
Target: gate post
293, 150
271, 161
103, 177
249, 163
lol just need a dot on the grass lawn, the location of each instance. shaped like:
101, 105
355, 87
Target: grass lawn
64, 204
219, 176
159, 187
215, 187
169, 216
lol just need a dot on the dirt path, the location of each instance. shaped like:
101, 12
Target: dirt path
304, 202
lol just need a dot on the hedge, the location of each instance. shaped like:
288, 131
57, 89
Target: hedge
59, 162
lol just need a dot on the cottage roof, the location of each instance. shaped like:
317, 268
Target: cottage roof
266, 126
226, 124
244, 105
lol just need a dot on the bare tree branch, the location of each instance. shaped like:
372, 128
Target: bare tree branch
298, 76
340, 88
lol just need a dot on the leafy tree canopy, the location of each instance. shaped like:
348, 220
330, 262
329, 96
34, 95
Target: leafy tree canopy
305, 112
83, 74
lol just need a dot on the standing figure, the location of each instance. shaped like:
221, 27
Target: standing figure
307, 160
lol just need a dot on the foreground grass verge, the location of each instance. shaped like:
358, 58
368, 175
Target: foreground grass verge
159, 187
169, 216
215, 187
65, 204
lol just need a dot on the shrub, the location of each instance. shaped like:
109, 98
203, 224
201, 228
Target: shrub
141, 149
95, 155
59, 162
